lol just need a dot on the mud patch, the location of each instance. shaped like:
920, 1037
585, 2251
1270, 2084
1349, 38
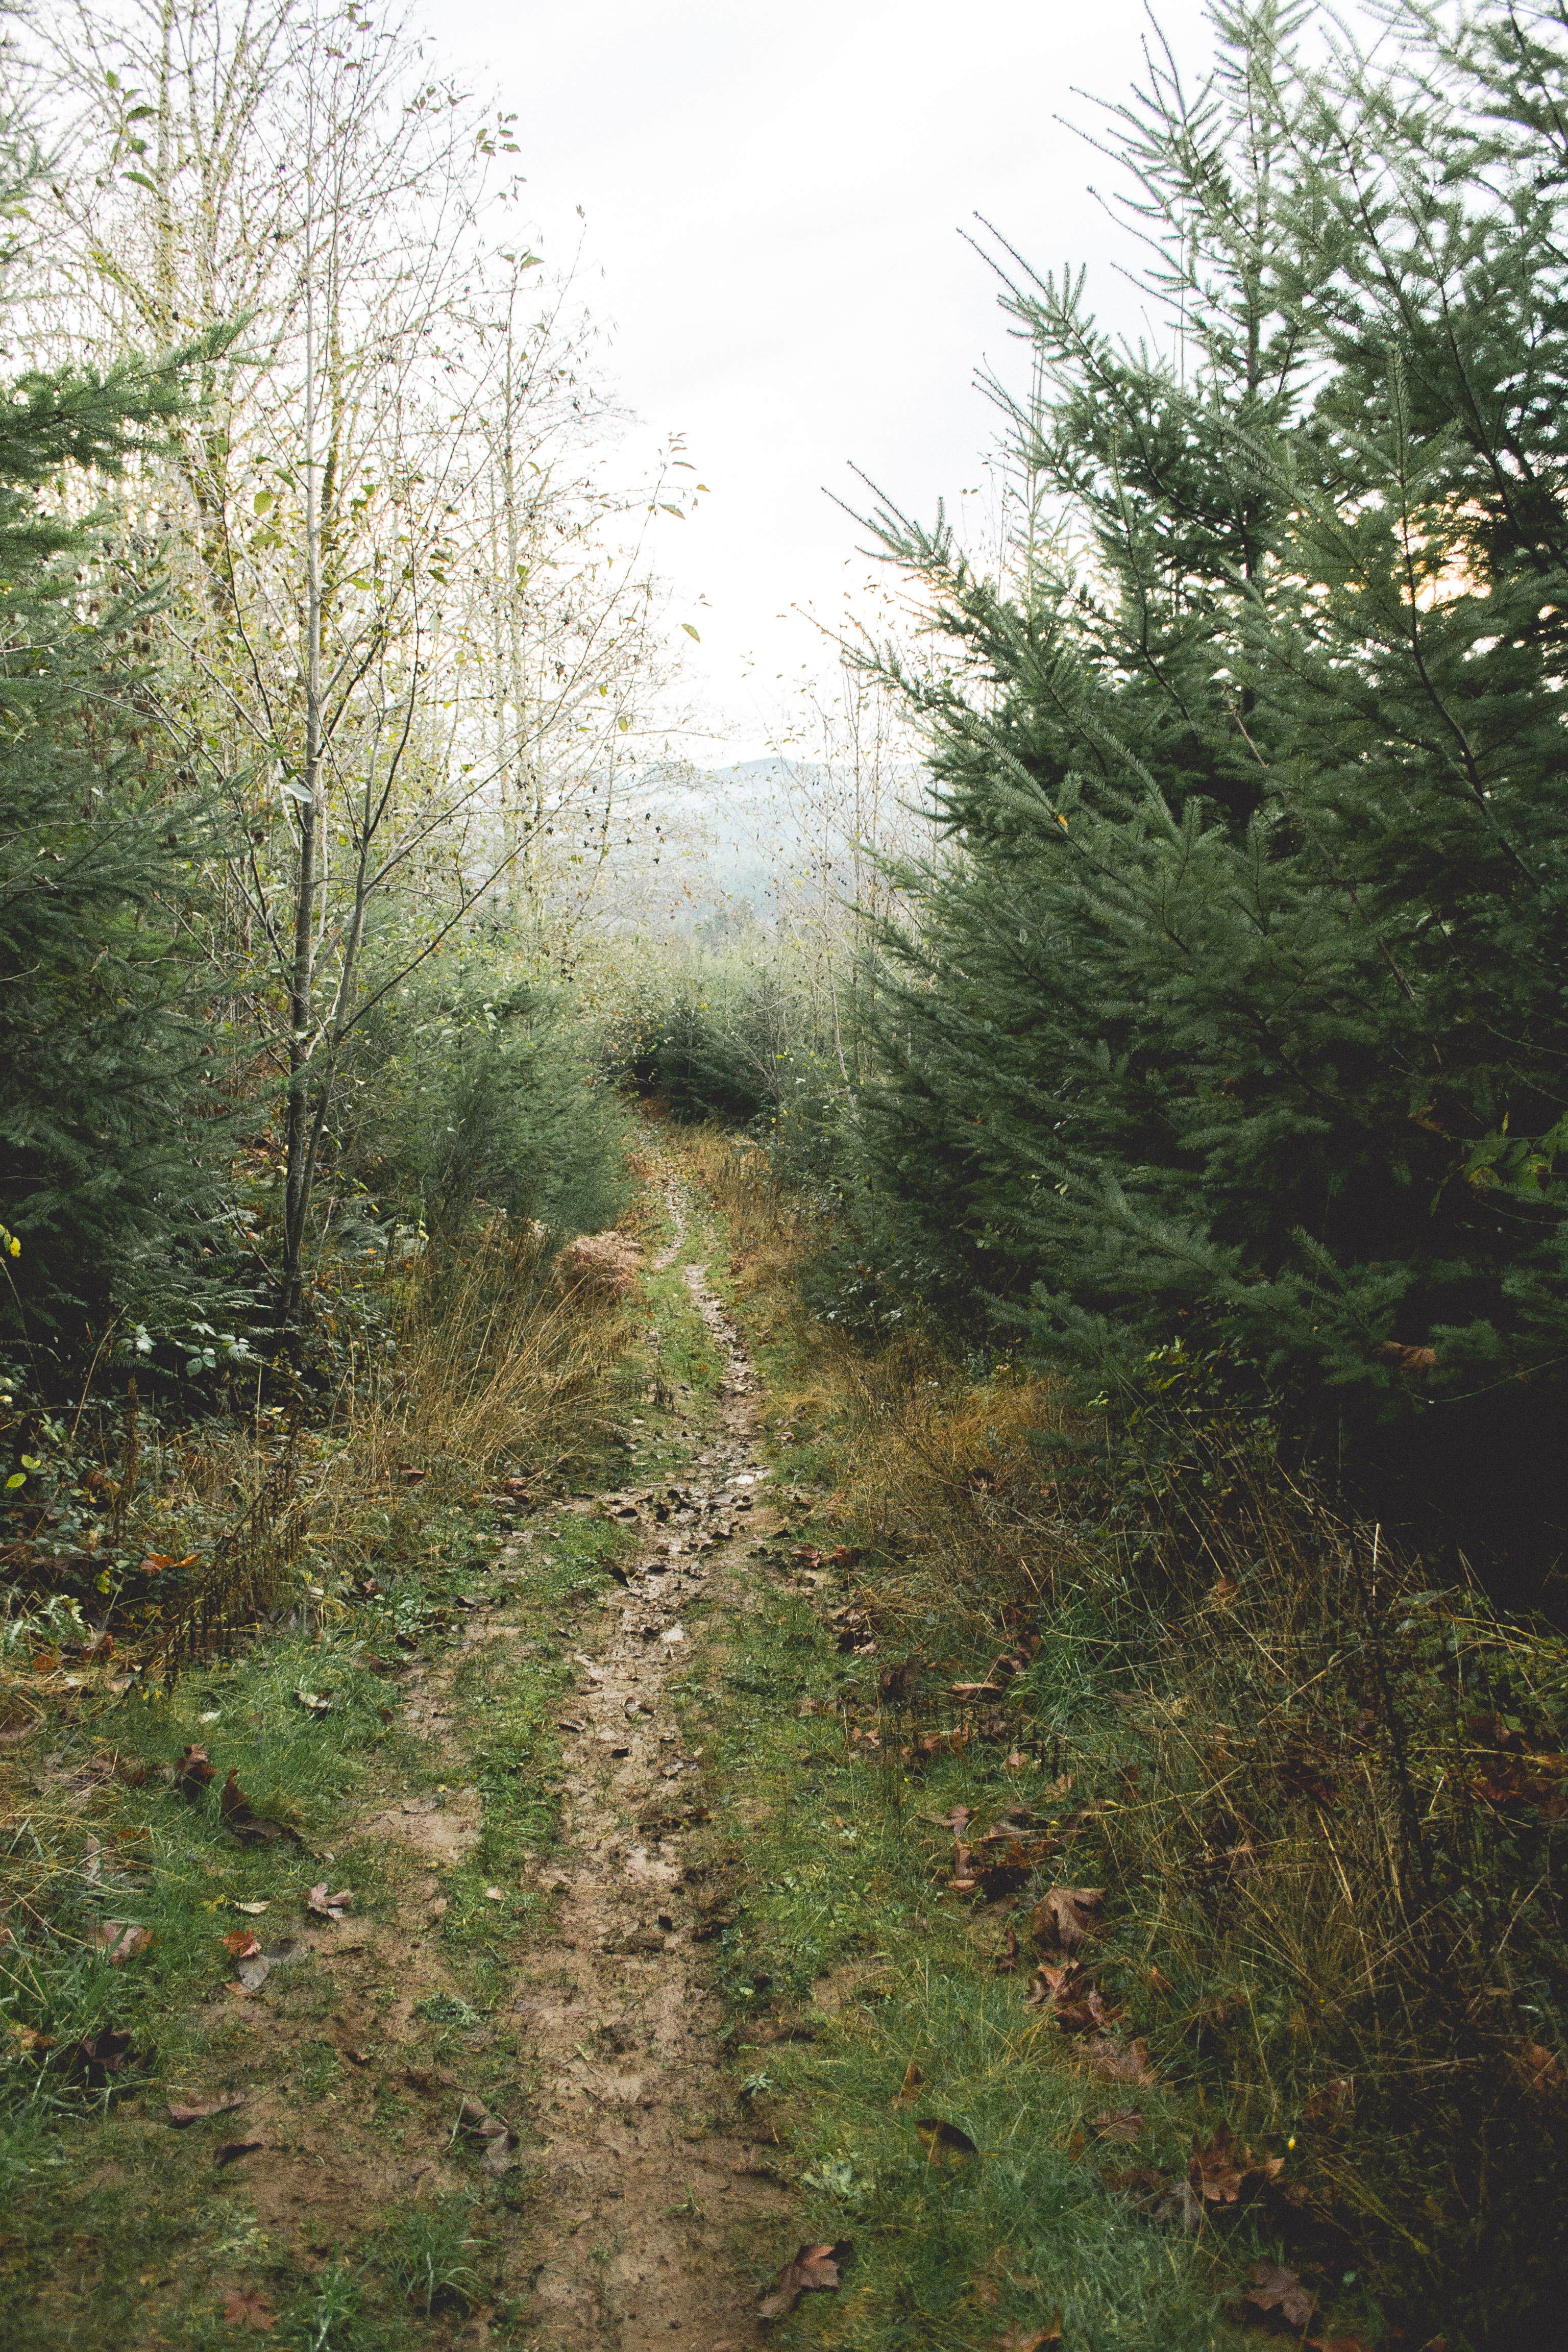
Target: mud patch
659, 2207
442, 1827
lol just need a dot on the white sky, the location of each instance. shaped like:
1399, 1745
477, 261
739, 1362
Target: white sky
772, 198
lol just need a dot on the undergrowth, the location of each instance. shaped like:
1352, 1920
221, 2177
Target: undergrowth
1315, 1807
162, 1807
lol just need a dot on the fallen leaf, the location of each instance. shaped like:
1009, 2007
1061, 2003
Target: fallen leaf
231, 2149
252, 1910
1543, 2070
1123, 2123
1274, 2289
242, 1942
253, 1971
247, 2307
1161, 2199
199, 2110
117, 1942
99, 2055
314, 1702
1053, 1988
1123, 2061
814, 2270
493, 2137
193, 1772
1335, 2096
1040, 2339
909, 2089
943, 2139
325, 1905
1064, 1918
1223, 2172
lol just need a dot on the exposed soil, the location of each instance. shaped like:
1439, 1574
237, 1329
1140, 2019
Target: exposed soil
631, 2210
651, 2198
647, 2205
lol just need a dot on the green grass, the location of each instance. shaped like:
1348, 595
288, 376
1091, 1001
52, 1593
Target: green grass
835, 1887
119, 2225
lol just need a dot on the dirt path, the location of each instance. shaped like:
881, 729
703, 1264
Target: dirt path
652, 2200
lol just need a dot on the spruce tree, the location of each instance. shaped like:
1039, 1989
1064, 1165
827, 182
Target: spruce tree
101, 1101
1235, 1018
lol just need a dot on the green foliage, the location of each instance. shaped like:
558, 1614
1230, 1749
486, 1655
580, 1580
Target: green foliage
108, 1118
1236, 1012
714, 1039
833, 1891
426, 2254
470, 1095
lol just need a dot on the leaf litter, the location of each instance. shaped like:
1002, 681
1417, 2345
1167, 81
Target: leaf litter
814, 2270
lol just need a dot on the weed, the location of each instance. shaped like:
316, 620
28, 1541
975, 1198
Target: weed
425, 2254
325, 2320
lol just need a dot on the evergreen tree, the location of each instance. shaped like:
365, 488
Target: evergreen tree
1236, 1018
100, 1093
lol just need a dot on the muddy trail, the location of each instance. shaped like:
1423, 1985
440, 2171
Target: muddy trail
646, 2206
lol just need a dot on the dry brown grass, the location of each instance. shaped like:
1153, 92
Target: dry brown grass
769, 1227
1326, 1801
504, 1353
503, 1357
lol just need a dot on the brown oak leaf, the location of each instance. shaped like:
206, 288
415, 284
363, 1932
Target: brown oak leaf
1065, 1918
247, 2307
814, 2270
1544, 2071
1037, 2339
117, 1942
1224, 2172
1123, 2123
1275, 2289
488, 2133
1123, 2061
99, 2055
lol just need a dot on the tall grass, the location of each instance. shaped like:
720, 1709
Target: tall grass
1327, 1801
484, 1359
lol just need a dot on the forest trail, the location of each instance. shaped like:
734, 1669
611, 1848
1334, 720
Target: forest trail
648, 2196
643, 2200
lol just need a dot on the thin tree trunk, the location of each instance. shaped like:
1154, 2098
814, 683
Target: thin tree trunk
302, 1128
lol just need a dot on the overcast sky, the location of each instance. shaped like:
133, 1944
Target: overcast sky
772, 199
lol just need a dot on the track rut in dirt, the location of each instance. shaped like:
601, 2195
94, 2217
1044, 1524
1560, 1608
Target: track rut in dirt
652, 2202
